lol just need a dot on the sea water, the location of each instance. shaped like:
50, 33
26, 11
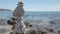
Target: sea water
37, 17
31, 15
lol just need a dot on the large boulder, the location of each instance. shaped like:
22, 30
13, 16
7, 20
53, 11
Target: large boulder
29, 31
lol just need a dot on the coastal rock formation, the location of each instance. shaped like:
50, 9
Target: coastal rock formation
18, 13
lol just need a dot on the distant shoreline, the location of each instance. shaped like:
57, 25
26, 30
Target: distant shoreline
5, 10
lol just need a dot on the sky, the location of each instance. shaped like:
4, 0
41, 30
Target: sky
32, 5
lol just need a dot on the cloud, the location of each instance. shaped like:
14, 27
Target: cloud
42, 8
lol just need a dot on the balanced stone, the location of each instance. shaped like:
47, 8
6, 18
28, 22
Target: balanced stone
19, 11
